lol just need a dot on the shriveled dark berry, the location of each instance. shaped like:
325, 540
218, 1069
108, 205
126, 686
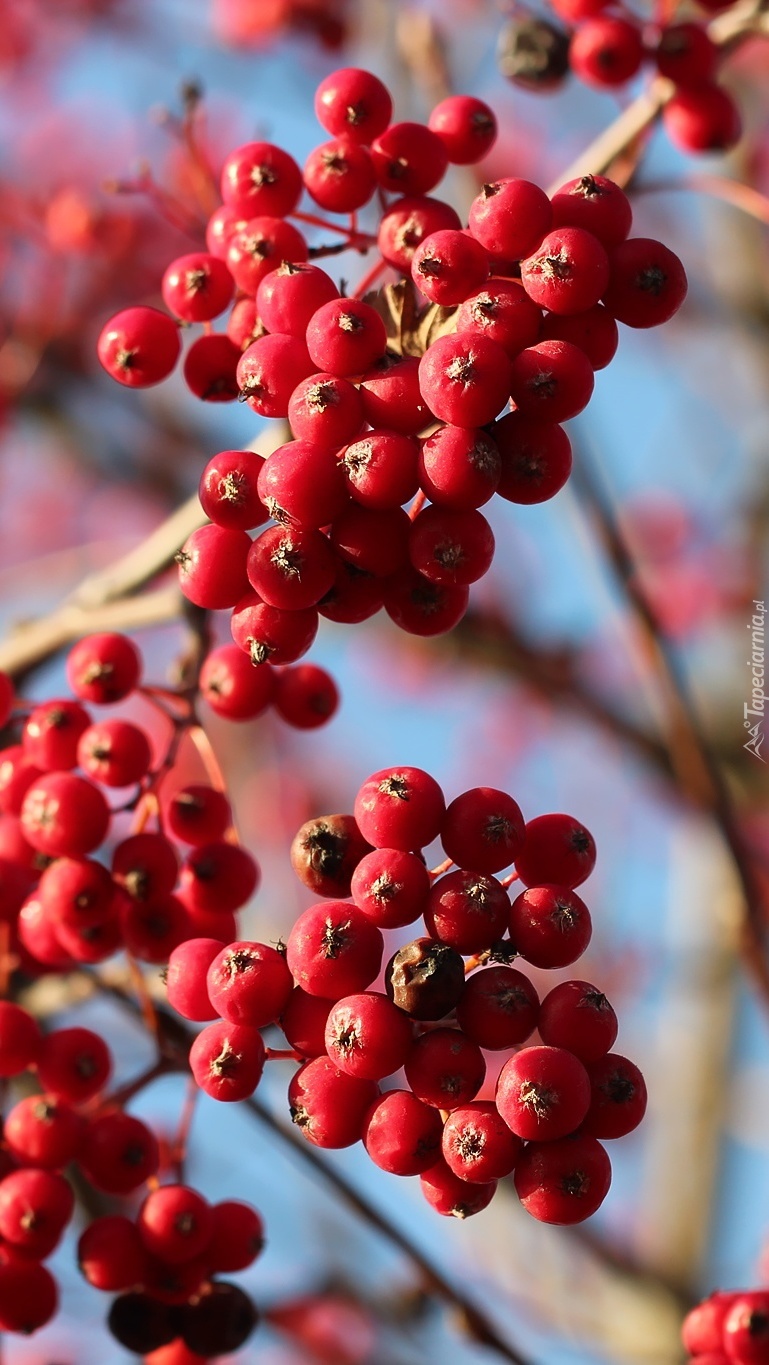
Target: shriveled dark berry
219, 1322
425, 978
325, 853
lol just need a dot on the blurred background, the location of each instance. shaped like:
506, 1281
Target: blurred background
602, 668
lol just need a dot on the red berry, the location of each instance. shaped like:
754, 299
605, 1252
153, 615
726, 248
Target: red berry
703, 118
510, 218
595, 332
249, 983
29, 1297
35, 1208
326, 411
391, 397
152, 931
407, 222
198, 814
334, 950
51, 733
197, 287
340, 176
20, 1039
400, 808
451, 548
535, 456
228, 490
303, 483
268, 635
186, 978
445, 1069
110, 1254
139, 347
64, 815
568, 273
606, 51
114, 753
746, 1328
74, 1065
465, 379
328, 1107
17, 773
304, 1022
499, 1008
482, 830
232, 686
551, 381
618, 1098
556, 849
401, 1134
703, 1326
354, 597
259, 248
686, 54
459, 468
212, 567
647, 284
222, 225
575, 1015
543, 1093
43, 1131
380, 469
104, 668
174, 1223
260, 178
306, 696
288, 296
7, 697
450, 1196
354, 103
391, 887
237, 1237
146, 866
291, 567
218, 877
595, 204
345, 337
119, 1153
367, 1036
563, 1182
467, 910
502, 311
449, 266
408, 158
550, 926
227, 1061
210, 369
466, 127
478, 1145
269, 371
421, 607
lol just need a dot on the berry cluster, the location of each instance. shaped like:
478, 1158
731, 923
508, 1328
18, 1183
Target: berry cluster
517, 310
166, 1256
607, 46
554, 1100
61, 904
729, 1329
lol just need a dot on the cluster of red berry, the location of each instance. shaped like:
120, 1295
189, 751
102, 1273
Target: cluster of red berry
607, 46
165, 1257
62, 906
729, 1329
553, 1101
528, 298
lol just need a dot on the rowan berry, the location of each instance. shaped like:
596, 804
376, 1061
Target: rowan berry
551, 381
119, 1152
325, 853
466, 126
408, 158
354, 103
498, 1008
231, 685
563, 1182
543, 1093
104, 668
74, 1064
477, 1144
367, 1036
401, 1134
502, 311
260, 178
110, 1254
407, 222
445, 1069
391, 887
595, 204
618, 1097
449, 1195
328, 1107
139, 347
227, 1061
306, 696
467, 910
237, 1237
20, 1039
550, 926
212, 567
228, 490
334, 950
465, 379
197, 287
210, 369
510, 218
64, 815
425, 979
249, 983
647, 283
400, 808
535, 456
186, 978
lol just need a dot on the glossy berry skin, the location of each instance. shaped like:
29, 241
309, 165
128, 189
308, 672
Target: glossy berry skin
51, 734
345, 337
703, 118
258, 249
237, 1236
119, 1153
391, 887
477, 1144
374, 540
535, 456
110, 1254
186, 978
326, 411
339, 175
502, 311
212, 567
197, 287
145, 866
401, 1134
451, 548
380, 469
174, 1223
367, 1036
259, 178
595, 204
104, 668
228, 490
139, 347
328, 1107
595, 332
459, 468
445, 1069
29, 1296
557, 849
249, 983
231, 685
551, 381
452, 1197
563, 1182
686, 54
465, 379
306, 696
467, 910
466, 127
303, 484
703, 1327
647, 283
568, 273
577, 1016
618, 1097
50, 1199
353, 103
746, 1328
64, 815
510, 217
408, 159
325, 852
354, 597
304, 1022
407, 222
114, 753
20, 1039
270, 636
425, 978
288, 296
74, 1064
400, 808
43, 1131
421, 607
334, 950
227, 1061
210, 367
269, 371
291, 567
499, 1008
483, 830
550, 926
543, 1093
218, 877
606, 51
198, 814
448, 266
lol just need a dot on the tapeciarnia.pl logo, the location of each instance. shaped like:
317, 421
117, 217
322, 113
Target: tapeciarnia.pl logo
754, 710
